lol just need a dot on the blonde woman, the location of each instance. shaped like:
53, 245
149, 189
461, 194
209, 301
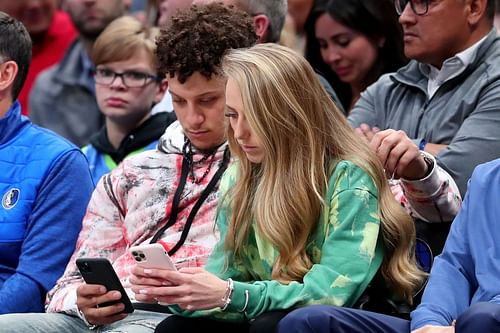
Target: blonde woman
307, 215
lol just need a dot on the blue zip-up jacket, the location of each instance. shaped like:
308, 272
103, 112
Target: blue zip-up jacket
45, 185
468, 270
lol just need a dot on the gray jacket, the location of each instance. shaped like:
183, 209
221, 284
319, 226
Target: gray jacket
464, 113
61, 102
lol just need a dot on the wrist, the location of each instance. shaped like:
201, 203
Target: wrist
228, 294
425, 167
84, 319
429, 162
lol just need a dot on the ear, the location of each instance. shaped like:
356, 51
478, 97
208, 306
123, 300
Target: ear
162, 88
8, 72
261, 24
476, 11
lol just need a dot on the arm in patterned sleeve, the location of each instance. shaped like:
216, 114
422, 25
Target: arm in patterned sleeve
435, 198
101, 236
348, 249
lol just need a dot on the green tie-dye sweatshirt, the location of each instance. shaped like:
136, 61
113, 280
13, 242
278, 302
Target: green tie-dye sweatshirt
345, 249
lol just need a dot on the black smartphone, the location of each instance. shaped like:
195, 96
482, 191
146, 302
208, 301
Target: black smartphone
100, 271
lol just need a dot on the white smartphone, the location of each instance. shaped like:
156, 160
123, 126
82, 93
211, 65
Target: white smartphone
152, 256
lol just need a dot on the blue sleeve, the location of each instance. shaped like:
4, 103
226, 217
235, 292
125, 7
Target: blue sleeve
467, 270
51, 234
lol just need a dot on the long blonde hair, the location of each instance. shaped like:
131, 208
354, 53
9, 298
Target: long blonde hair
304, 136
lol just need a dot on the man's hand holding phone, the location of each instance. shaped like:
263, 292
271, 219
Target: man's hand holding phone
88, 298
102, 299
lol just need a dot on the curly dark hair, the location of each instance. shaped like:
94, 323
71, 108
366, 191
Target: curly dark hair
196, 39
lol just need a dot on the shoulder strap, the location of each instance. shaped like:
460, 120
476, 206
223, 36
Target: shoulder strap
175, 202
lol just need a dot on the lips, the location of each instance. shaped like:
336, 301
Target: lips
409, 35
115, 102
197, 133
247, 148
343, 71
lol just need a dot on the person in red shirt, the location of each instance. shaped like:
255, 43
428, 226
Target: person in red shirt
51, 31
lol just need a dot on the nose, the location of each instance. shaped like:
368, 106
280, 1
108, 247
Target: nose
194, 116
117, 82
240, 128
331, 54
407, 16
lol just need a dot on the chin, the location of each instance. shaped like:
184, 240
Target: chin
254, 159
414, 53
204, 145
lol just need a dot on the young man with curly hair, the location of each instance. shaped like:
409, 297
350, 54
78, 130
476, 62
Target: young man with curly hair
154, 196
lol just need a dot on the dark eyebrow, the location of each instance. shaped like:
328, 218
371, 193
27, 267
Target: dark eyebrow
173, 94
208, 93
197, 96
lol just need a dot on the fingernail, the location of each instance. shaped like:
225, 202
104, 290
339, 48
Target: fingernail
117, 294
143, 291
147, 271
165, 283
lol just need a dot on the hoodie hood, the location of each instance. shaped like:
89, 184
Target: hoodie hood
150, 130
172, 141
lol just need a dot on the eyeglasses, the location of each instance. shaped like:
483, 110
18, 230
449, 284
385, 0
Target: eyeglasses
129, 79
419, 7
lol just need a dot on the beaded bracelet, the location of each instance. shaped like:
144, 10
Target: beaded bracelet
229, 293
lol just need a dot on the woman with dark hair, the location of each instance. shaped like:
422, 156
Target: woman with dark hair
352, 43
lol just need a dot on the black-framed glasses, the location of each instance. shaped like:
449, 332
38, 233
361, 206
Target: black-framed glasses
131, 79
419, 7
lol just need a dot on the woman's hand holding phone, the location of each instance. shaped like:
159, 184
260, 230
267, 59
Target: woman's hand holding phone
192, 288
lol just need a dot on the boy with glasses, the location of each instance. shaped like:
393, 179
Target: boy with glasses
127, 86
63, 96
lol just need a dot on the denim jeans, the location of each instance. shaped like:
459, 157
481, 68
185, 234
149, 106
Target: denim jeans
137, 322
